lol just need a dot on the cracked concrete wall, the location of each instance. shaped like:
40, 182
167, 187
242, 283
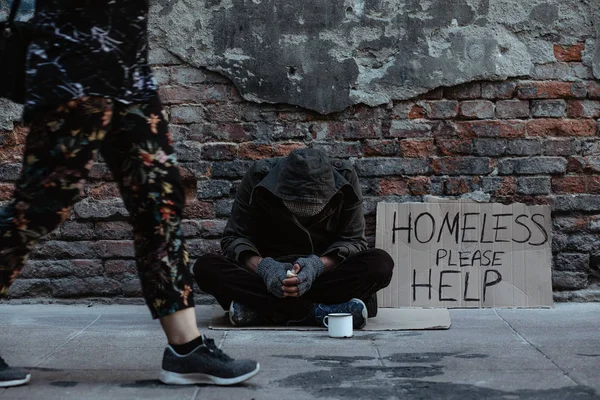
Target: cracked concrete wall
328, 55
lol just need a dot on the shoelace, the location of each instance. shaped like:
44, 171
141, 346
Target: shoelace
210, 343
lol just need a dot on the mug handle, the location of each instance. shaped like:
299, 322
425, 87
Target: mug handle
325, 318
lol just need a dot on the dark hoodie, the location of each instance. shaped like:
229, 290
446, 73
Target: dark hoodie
261, 224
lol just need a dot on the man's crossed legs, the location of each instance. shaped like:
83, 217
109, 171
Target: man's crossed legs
358, 277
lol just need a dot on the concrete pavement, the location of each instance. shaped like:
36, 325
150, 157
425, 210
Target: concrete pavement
114, 352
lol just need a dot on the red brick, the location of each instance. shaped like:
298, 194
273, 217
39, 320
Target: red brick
253, 151
576, 164
561, 127
11, 154
568, 53
104, 191
593, 88
508, 187
583, 109
114, 248
419, 185
593, 184
415, 148
492, 129
381, 148
416, 112
219, 151
450, 147
15, 137
456, 186
283, 149
119, 267
199, 209
186, 174
575, 109
551, 90
568, 184
189, 181
6, 191
393, 187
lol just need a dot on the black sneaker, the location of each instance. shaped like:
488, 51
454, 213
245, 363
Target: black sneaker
371, 304
12, 376
206, 364
356, 307
241, 315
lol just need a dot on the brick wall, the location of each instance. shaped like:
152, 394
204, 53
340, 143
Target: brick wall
533, 140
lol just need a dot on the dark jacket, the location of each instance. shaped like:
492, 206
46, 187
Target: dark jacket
261, 224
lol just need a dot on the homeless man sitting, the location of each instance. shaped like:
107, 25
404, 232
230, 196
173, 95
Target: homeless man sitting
302, 213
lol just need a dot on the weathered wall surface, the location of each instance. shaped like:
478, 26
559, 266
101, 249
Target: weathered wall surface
325, 56
531, 138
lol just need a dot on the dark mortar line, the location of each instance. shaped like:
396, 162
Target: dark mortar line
538, 349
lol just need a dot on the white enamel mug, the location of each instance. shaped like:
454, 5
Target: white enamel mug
339, 325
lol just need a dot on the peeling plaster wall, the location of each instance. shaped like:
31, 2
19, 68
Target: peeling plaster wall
327, 55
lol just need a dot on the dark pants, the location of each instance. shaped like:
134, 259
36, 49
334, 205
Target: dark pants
359, 276
137, 147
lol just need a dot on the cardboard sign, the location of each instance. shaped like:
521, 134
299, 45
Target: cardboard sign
466, 254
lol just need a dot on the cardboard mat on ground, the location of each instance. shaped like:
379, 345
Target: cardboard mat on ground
458, 253
388, 319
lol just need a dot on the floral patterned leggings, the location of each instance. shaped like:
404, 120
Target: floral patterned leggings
137, 147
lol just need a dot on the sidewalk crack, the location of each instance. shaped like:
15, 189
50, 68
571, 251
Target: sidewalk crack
223, 339
195, 395
378, 353
536, 348
69, 339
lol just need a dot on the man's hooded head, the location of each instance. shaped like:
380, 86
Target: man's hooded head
306, 182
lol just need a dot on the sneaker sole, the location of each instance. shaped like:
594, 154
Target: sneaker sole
16, 382
173, 378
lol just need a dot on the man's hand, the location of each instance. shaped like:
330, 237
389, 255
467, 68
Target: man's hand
273, 273
308, 269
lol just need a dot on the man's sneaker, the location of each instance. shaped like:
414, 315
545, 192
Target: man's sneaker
206, 364
12, 376
356, 307
241, 315
371, 304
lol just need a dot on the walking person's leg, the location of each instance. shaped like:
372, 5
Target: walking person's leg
59, 151
140, 154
